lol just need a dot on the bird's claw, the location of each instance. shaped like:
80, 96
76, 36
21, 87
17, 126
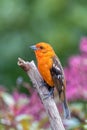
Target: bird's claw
50, 90
50, 94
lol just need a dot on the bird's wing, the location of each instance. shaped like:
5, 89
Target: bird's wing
58, 76
60, 83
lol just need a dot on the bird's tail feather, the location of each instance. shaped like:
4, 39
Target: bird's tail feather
62, 97
66, 110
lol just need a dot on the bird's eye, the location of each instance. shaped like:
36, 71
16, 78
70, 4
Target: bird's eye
41, 47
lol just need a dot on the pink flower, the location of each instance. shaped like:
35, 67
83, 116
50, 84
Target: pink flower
76, 75
30, 105
75, 61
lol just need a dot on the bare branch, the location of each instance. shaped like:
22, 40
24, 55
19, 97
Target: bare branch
49, 104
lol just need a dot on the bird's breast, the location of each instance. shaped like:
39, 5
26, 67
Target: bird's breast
44, 66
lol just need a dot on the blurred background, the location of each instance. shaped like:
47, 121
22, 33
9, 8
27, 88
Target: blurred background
25, 22
62, 23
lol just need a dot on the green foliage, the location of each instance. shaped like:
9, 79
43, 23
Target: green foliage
24, 22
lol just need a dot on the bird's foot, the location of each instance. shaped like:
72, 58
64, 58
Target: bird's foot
49, 94
43, 83
50, 90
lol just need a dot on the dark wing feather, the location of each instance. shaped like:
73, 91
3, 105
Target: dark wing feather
59, 81
58, 77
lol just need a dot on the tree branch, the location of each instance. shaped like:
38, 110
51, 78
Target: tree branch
49, 104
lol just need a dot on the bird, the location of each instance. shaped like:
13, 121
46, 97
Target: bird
52, 72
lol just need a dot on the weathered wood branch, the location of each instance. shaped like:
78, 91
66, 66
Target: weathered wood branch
49, 104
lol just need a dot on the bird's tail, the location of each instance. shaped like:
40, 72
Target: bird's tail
62, 97
66, 110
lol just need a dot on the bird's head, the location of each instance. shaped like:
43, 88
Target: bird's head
42, 49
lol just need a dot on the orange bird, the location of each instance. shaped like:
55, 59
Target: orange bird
52, 72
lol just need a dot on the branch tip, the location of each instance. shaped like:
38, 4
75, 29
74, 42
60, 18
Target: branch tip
23, 64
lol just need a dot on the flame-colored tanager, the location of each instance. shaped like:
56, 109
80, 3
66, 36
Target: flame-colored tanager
51, 70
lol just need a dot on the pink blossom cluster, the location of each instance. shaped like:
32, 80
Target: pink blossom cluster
30, 105
76, 74
18, 109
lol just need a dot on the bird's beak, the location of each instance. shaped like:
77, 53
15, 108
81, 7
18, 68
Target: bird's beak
34, 47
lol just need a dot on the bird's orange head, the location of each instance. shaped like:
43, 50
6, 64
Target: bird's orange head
43, 49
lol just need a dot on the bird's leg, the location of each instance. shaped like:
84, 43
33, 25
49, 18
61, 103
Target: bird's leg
43, 83
51, 93
50, 89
